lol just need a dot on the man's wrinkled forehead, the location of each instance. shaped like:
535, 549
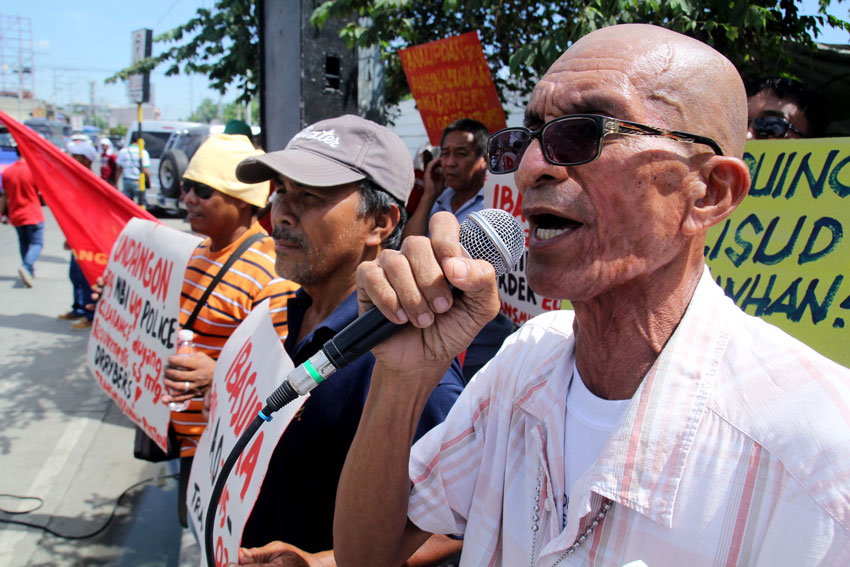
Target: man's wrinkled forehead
617, 73
589, 85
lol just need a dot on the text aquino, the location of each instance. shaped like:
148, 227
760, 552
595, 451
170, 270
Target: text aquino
783, 255
782, 175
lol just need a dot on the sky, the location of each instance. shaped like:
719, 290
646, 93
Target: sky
77, 43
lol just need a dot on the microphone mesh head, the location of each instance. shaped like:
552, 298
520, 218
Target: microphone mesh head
494, 235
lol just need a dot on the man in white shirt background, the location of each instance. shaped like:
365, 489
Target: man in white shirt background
130, 169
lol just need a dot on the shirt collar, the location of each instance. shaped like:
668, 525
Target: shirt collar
642, 464
444, 202
344, 314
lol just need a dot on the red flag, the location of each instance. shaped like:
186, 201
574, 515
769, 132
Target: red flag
90, 211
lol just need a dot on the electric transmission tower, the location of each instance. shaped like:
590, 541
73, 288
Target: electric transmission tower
17, 57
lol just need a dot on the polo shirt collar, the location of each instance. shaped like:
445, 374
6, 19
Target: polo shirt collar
344, 314
444, 201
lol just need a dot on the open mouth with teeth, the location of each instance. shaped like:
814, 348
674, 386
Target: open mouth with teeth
547, 227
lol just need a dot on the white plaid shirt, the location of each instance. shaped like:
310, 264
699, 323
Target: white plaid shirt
735, 450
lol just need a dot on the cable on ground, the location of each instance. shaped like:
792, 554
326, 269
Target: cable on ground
72, 537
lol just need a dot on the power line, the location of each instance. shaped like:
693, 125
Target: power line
162, 17
77, 69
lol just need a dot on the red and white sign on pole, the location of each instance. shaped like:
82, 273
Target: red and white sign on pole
136, 321
450, 79
250, 367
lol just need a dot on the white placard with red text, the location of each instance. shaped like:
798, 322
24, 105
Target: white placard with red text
137, 319
519, 302
251, 365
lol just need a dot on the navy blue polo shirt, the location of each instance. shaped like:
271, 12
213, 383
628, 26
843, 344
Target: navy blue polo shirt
296, 501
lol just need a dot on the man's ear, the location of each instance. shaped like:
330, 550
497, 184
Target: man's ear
385, 223
726, 183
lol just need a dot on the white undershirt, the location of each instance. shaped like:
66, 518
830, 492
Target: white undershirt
590, 422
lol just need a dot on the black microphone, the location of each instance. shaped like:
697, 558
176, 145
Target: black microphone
493, 235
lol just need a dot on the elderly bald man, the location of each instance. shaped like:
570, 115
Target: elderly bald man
657, 424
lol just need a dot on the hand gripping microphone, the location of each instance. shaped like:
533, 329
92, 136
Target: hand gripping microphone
493, 235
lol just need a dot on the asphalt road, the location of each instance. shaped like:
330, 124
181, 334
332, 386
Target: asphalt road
64, 442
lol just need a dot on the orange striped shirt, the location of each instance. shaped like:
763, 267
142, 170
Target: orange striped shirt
250, 280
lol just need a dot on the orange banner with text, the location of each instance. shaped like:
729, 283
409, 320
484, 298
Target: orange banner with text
450, 79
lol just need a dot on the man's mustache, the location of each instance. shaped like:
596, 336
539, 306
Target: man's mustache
280, 233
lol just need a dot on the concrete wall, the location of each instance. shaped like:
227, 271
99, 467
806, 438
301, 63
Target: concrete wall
295, 90
125, 116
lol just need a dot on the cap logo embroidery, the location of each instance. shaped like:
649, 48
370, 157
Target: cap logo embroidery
324, 136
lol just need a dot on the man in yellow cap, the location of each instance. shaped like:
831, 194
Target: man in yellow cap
223, 209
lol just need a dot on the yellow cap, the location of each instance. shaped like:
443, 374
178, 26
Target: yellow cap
215, 162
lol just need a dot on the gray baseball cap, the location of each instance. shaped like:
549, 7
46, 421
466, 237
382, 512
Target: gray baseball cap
335, 152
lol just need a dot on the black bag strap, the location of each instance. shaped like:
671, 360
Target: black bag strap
233, 257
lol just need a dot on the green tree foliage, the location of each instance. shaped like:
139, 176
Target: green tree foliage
221, 43
527, 36
523, 36
238, 110
206, 112
118, 130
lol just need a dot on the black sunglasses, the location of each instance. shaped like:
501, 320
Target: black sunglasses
573, 139
201, 191
769, 127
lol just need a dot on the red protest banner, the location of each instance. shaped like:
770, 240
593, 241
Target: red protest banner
450, 79
90, 211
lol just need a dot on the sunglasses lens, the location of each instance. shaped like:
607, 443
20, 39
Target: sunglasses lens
770, 127
201, 191
571, 141
505, 148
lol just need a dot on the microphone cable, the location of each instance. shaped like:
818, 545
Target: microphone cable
284, 394
66, 536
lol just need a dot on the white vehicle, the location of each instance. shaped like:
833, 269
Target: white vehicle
156, 134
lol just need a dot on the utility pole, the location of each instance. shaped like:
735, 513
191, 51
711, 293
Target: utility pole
91, 103
16, 58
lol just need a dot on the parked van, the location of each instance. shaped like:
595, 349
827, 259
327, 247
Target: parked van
155, 134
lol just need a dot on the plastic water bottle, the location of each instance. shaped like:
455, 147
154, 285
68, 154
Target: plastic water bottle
185, 347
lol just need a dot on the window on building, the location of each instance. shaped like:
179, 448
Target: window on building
333, 72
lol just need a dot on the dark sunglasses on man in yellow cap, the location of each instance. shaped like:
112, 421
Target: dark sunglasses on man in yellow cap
201, 191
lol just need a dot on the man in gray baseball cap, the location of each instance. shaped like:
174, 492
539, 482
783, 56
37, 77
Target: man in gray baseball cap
341, 185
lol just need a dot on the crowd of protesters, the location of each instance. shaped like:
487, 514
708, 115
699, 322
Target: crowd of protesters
339, 211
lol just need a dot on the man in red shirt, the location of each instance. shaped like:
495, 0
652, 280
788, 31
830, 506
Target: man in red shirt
20, 201
108, 164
